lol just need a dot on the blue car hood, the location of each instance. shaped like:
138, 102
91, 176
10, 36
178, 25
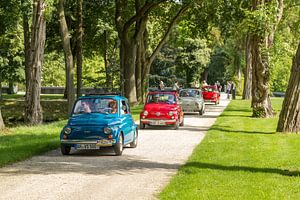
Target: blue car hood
93, 119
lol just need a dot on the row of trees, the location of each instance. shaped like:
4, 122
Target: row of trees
186, 40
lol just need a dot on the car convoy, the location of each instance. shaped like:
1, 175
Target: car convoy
105, 120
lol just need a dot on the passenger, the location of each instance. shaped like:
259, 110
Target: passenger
113, 106
85, 107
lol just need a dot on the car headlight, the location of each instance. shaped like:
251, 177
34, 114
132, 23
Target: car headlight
145, 113
107, 130
67, 130
171, 113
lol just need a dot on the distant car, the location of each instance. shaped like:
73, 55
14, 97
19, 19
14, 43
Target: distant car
99, 121
192, 101
162, 108
211, 94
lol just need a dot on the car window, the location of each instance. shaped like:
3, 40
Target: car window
189, 93
96, 105
161, 98
125, 107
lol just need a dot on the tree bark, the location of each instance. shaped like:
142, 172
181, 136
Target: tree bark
33, 110
289, 119
261, 103
2, 125
68, 55
107, 65
248, 71
79, 33
26, 34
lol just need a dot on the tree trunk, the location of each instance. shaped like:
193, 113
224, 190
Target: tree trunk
10, 87
107, 65
0, 88
261, 103
33, 110
248, 71
129, 70
2, 126
26, 33
68, 55
289, 119
79, 47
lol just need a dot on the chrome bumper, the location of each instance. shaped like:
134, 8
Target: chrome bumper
99, 143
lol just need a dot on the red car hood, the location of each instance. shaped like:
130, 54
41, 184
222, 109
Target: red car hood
153, 107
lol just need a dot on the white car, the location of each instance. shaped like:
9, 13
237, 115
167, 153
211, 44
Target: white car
192, 100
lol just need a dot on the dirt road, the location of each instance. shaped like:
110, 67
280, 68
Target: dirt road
139, 173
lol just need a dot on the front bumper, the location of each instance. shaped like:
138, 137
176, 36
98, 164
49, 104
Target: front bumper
159, 122
96, 143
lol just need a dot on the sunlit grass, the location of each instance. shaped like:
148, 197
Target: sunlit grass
241, 158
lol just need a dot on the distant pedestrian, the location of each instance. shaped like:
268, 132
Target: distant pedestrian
204, 83
233, 90
161, 85
175, 86
228, 89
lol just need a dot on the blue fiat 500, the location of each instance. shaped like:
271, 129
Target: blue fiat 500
99, 121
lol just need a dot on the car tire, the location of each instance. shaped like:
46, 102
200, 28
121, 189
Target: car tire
133, 144
142, 125
118, 148
176, 125
182, 123
202, 111
65, 150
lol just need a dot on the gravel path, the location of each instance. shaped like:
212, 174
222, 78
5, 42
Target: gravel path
139, 173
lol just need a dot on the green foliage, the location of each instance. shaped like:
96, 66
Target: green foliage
53, 70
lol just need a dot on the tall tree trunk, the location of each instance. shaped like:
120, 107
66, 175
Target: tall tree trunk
129, 70
248, 71
26, 34
68, 55
2, 125
261, 103
33, 110
107, 65
10, 87
0, 88
289, 119
79, 46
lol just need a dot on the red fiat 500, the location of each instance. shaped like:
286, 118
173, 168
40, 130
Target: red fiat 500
211, 94
162, 108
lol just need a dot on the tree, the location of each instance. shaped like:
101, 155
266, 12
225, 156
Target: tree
261, 41
33, 110
79, 33
248, 71
289, 119
2, 126
65, 36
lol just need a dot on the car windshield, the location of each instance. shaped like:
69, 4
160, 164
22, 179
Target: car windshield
96, 105
161, 98
189, 93
209, 89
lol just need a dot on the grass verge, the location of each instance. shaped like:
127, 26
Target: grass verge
241, 158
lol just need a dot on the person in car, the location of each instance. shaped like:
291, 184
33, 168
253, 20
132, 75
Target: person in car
85, 107
113, 106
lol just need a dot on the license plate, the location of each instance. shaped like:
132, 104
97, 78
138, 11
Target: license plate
87, 146
104, 142
158, 122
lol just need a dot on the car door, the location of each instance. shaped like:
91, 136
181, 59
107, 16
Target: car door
128, 123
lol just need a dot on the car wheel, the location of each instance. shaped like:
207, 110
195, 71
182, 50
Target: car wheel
202, 111
118, 148
133, 144
182, 123
176, 125
142, 125
65, 150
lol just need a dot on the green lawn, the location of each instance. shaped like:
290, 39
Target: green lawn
241, 158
